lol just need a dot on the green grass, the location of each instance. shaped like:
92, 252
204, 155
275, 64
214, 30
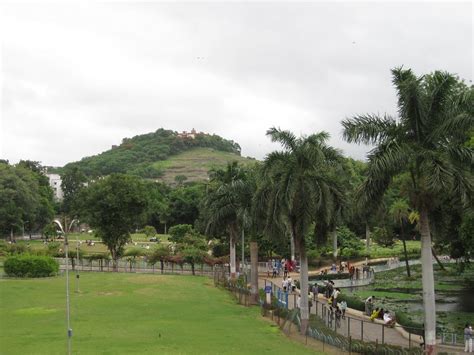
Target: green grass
378, 251
133, 314
195, 163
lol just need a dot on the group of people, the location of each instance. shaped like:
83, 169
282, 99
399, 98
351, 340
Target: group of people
378, 312
276, 266
337, 310
288, 284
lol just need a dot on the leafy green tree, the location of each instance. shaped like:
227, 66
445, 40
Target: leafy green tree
73, 180
114, 206
193, 250
227, 204
25, 200
149, 231
161, 253
426, 141
184, 202
50, 231
178, 232
298, 185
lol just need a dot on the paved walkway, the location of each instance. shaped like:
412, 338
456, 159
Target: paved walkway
356, 324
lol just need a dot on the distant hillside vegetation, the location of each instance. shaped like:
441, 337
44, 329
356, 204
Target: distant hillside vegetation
194, 164
151, 155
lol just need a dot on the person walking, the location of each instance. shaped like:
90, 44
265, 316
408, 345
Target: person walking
468, 338
343, 309
315, 291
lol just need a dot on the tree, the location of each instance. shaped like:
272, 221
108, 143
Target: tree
399, 211
25, 198
178, 232
426, 141
193, 250
73, 180
114, 206
161, 253
227, 205
298, 186
149, 231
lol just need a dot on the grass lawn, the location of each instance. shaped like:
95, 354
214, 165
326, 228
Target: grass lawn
379, 251
133, 314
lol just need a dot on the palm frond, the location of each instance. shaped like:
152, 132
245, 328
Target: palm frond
287, 139
368, 129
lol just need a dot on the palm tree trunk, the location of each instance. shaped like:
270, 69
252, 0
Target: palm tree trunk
334, 243
367, 236
304, 309
292, 246
232, 254
428, 282
405, 249
254, 272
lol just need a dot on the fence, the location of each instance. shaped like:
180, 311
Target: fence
237, 287
137, 266
355, 329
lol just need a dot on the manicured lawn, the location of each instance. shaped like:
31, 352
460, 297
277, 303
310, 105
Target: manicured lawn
133, 314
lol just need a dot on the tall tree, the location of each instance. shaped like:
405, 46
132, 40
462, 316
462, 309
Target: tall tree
300, 186
228, 204
73, 180
435, 112
115, 206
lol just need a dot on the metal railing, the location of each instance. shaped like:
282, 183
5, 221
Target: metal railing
137, 266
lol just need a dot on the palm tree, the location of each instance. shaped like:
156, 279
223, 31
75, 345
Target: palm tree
435, 113
298, 187
227, 205
399, 211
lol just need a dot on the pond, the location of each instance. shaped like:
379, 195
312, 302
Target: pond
458, 301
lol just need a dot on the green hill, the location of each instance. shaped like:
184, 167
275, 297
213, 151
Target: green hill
163, 155
194, 164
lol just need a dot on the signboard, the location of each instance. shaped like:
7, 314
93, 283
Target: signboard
268, 289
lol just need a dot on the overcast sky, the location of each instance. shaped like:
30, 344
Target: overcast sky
78, 78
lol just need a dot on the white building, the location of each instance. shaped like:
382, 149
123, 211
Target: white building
55, 183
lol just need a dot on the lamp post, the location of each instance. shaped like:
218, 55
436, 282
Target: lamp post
77, 261
68, 318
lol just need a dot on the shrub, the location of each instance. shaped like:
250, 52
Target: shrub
30, 266
352, 302
408, 324
383, 237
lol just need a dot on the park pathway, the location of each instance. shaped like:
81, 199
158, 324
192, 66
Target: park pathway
356, 324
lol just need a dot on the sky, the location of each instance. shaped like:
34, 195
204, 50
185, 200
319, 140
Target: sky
76, 77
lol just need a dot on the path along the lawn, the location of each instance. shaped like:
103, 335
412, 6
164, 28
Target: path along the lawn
356, 324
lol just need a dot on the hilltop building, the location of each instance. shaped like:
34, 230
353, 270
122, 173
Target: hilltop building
191, 134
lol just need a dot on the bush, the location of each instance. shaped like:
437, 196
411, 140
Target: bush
408, 324
341, 276
352, 302
383, 237
30, 266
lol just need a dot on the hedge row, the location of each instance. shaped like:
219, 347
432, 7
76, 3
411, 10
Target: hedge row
30, 266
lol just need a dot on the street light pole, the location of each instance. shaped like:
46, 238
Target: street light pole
77, 263
68, 312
